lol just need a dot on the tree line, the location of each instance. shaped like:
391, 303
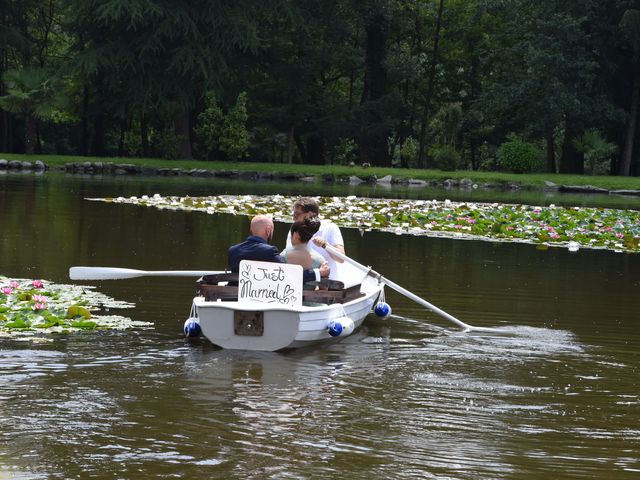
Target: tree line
520, 85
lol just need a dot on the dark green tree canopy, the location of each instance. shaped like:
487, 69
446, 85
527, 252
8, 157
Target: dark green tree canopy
442, 83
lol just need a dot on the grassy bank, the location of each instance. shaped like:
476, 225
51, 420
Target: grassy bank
532, 181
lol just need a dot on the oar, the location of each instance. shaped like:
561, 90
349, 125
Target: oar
335, 252
113, 273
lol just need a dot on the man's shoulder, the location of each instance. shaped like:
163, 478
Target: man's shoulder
328, 225
330, 232
251, 243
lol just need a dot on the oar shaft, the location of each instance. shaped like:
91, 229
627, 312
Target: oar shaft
423, 302
332, 250
115, 273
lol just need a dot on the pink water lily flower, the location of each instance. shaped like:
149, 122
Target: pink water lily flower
14, 284
6, 290
40, 306
40, 299
37, 284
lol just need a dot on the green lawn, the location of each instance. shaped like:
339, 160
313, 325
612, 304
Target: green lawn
533, 181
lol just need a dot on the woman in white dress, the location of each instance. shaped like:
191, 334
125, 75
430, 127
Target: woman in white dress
299, 253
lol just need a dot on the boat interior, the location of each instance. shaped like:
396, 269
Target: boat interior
224, 287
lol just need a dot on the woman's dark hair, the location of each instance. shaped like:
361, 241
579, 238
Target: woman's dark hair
306, 228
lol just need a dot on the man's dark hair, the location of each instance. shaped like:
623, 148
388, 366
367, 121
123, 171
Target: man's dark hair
307, 204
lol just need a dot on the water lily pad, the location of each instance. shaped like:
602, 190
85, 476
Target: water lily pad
32, 307
75, 311
84, 324
617, 230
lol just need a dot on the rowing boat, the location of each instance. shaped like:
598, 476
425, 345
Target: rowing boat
326, 311
237, 311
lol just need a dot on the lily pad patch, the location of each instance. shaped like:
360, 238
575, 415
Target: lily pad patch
28, 307
571, 227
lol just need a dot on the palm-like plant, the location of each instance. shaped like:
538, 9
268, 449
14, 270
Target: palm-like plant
33, 94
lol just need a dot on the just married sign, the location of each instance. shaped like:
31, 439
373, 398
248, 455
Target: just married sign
269, 282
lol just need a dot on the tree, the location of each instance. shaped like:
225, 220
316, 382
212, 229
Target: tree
431, 78
373, 138
630, 25
305, 81
549, 77
160, 57
30, 38
34, 94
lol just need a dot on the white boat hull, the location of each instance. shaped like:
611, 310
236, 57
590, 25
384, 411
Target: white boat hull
280, 327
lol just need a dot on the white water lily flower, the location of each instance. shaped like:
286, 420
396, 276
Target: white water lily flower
573, 246
381, 214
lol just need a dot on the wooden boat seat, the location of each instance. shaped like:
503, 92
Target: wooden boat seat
328, 292
329, 297
216, 278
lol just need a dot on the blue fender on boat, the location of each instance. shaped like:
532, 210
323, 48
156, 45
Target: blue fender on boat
192, 327
382, 309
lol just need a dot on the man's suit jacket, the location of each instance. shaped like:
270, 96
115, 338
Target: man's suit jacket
257, 248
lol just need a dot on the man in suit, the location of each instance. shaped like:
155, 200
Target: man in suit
257, 247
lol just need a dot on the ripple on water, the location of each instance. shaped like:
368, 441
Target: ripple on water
419, 397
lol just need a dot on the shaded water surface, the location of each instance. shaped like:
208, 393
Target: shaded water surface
557, 395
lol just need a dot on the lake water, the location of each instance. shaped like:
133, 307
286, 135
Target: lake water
406, 397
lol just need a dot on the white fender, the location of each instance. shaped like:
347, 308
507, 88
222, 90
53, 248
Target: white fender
341, 327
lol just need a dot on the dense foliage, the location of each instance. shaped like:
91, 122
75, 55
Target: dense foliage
518, 156
437, 84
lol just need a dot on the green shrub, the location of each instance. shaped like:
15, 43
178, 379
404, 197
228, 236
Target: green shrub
208, 127
167, 144
519, 156
132, 143
406, 153
345, 151
234, 139
447, 158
